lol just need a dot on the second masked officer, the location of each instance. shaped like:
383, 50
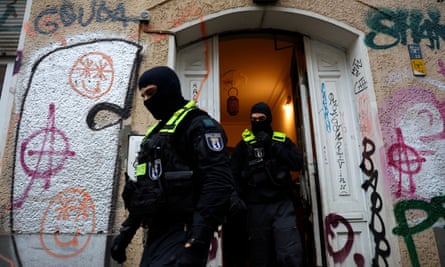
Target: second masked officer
183, 175
261, 165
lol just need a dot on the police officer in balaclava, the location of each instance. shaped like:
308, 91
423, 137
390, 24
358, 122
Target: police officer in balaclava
184, 182
261, 165
167, 97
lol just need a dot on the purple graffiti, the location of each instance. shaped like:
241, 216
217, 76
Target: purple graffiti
39, 157
359, 260
406, 160
213, 248
441, 67
332, 221
18, 62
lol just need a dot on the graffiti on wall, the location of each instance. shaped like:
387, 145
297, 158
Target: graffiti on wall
359, 78
66, 150
69, 13
390, 28
187, 14
382, 249
10, 12
434, 210
441, 65
413, 129
333, 221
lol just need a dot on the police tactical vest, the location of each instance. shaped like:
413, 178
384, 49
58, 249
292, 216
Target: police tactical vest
164, 178
262, 168
257, 153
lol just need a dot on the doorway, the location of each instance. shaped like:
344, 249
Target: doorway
317, 75
263, 66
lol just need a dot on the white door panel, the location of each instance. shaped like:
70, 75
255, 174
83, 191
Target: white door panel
197, 67
337, 148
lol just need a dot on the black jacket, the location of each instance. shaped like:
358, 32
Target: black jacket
197, 140
268, 180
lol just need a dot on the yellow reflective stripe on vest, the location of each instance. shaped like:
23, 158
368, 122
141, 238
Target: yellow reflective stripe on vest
141, 169
173, 121
150, 129
279, 136
170, 127
248, 136
177, 117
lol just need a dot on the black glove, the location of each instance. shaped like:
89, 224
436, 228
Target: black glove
195, 255
118, 249
129, 189
237, 205
280, 152
121, 241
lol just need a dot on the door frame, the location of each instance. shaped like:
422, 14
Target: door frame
332, 32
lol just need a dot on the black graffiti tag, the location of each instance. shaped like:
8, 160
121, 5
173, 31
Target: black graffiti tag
382, 249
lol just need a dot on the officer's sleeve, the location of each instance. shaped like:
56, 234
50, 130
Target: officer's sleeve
288, 154
213, 169
237, 163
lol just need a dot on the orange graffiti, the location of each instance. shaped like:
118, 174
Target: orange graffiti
364, 115
67, 211
45, 21
28, 29
8, 261
6, 210
207, 59
188, 13
74, 242
92, 75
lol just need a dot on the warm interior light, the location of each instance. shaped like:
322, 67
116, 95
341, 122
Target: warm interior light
287, 108
287, 105
288, 101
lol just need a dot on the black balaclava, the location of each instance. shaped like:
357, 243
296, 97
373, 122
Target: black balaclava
168, 98
262, 126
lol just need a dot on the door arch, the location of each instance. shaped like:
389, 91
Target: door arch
195, 53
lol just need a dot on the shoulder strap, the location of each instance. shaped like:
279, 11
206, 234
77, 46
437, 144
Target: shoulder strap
248, 136
279, 137
177, 117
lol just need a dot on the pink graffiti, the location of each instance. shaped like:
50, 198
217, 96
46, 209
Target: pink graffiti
441, 67
332, 221
39, 157
393, 113
403, 100
213, 248
406, 160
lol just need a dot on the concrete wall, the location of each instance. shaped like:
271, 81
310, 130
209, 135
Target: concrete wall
61, 171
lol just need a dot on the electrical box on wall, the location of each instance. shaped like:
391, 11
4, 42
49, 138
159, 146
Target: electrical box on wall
417, 62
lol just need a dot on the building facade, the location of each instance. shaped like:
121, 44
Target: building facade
358, 85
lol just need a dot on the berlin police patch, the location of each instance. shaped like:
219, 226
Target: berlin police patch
214, 141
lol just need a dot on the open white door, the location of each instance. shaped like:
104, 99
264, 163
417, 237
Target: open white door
198, 68
344, 207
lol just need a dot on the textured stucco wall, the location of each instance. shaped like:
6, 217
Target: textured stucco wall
61, 172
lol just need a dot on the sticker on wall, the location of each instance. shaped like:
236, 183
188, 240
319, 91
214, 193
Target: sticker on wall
417, 62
